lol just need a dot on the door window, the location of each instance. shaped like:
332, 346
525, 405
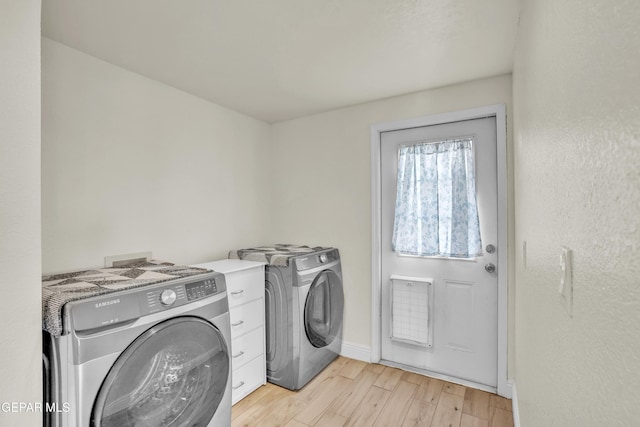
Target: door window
436, 212
174, 374
323, 309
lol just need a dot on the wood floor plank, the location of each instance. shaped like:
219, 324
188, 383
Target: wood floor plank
430, 390
456, 389
261, 407
337, 364
295, 423
367, 412
315, 387
331, 419
248, 402
311, 412
501, 418
352, 368
471, 421
334, 368
500, 402
349, 400
246, 418
411, 377
280, 413
375, 368
389, 378
420, 413
395, 409
449, 410
476, 403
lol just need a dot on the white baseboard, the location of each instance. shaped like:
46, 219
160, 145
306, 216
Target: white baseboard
506, 390
356, 351
514, 406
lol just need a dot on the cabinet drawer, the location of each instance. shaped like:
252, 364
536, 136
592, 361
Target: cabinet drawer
246, 317
247, 347
245, 285
247, 378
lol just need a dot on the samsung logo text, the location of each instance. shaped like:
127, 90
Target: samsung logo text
106, 303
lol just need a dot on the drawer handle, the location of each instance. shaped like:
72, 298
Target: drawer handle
238, 354
235, 387
240, 292
238, 323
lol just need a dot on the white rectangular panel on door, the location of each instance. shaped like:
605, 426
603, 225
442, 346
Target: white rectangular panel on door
459, 315
411, 310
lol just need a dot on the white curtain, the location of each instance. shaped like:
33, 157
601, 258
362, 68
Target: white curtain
436, 209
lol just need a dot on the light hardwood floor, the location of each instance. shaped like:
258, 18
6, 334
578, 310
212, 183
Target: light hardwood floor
354, 393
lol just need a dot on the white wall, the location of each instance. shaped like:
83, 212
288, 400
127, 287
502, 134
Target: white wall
577, 159
20, 357
321, 177
130, 164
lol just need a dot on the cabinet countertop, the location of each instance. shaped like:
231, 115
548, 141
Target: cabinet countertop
226, 266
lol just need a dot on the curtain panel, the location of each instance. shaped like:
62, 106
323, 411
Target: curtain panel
436, 207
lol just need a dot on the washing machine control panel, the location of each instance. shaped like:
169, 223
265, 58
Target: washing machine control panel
316, 260
200, 289
114, 308
177, 295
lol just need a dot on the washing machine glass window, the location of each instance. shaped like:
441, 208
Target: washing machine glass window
323, 309
174, 374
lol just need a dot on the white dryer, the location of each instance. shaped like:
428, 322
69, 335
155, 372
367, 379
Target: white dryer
152, 356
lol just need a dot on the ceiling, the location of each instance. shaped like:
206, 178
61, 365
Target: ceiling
280, 59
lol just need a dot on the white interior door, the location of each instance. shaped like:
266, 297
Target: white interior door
441, 314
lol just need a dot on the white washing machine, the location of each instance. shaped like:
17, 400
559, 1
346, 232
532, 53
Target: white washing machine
304, 310
152, 356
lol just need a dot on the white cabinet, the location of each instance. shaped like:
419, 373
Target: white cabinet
245, 289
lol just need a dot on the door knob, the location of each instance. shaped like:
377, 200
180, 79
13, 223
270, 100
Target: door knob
490, 268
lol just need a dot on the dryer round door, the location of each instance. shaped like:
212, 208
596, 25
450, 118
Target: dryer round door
174, 374
323, 309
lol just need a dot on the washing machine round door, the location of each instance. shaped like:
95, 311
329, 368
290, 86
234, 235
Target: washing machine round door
323, 309
174, 374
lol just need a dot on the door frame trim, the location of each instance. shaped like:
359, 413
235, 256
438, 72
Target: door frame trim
499, 112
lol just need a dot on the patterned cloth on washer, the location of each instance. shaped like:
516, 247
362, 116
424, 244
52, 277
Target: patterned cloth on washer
58, 289
277, 255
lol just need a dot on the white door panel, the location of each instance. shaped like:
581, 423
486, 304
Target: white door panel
465, 295
458, 314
